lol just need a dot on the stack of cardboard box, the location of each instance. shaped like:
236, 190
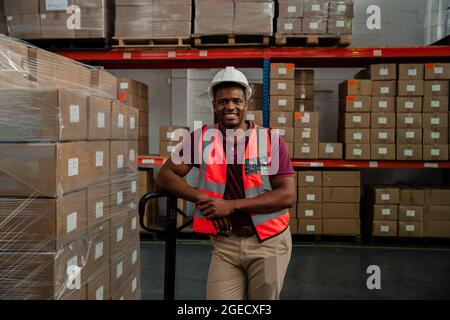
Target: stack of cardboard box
410, 212
282, 101
153, 19
170, 137
437, 213
135, 94
50, 19
300, 17
255, 104
233, 17
68, 195
329, 202
354, 118
384, 203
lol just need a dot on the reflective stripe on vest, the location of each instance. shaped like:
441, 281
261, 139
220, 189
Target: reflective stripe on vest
212, 180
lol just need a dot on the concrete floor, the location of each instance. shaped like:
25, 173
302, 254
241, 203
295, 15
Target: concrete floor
315, 271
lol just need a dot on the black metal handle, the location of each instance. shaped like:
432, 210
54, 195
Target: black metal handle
142, 205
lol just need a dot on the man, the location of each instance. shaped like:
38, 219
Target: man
237, 202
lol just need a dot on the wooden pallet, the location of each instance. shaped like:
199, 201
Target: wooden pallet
231, 40
313, 40
152, 43
72, 44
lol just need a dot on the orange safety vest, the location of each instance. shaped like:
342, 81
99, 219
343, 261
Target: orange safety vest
213, 178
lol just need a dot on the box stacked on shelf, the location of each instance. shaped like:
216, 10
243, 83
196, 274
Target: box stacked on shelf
354, 118
435, 112
170, 137
315, 16
135, 94
437, 213
282, 101
49, 19
147, 19
410, 212
383, 202
290, 17
68, 171
233, 17
340, 21
309, 205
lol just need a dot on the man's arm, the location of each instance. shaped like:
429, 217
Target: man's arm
170, 179
282, 196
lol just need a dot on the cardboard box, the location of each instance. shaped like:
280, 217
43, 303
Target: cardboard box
13, 7
63, 167
434, 88
382, 228
437, 213
282, 71
409, 104
118, 157
99, 239
306, 119
314, 25
306, 135
133, 123
436, 71
382, 120
98, 160
383, 71
308, 151
357, 136
309, 179
435, 120
382, 151
309, 211
119, 125
409, 120
166, 148
410, 213
357, 151
310, 195
437, 196
24, 26
303, 105
99, 118
411, 72
45, 224
384, 88
255, 104
355, 88
62, 115
257, 90
341, 195
290, 9
410, 88
435, 104
409, 136
304, 91
382, 136
410, 229
98, 203
342, 8
356, 104
282, 103
340, 25
173, 133
309, 226
412, 197
406, 152
254, 116
143, 104
98, 286
385, 212
383, 104
435, 136
304, 77
289, 26
341, 179
384, 195
436, 229
287, 134
340, 210
282, 87
357, 120
281, 119
341, 227
435, 152
330, 150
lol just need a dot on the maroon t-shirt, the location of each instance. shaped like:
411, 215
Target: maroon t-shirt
234, 188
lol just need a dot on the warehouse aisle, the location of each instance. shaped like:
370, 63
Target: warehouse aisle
315, 272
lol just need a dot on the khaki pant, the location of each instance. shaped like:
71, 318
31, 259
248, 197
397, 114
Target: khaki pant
245, 268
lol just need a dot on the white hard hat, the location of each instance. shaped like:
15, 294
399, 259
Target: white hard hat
230, 74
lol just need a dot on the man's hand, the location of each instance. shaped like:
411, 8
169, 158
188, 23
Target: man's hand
222, 225
213, 208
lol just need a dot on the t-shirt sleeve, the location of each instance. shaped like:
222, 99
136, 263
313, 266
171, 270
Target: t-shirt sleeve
281, 165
